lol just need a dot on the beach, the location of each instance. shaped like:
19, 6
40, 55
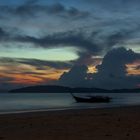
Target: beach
120, 123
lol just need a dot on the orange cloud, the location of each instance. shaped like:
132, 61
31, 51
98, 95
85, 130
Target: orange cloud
132, 69
29, 75
25, 79
92, 69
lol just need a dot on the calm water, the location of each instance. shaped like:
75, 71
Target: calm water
10, 103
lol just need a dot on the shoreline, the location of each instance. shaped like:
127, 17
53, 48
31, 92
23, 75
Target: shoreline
64, 109
117, 123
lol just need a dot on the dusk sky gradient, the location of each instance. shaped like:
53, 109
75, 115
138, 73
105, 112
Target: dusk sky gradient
91, 43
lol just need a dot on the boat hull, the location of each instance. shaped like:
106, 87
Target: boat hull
92, 99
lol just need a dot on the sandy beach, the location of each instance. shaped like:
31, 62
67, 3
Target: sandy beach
121, 123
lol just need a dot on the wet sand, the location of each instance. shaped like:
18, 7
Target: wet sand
121, 123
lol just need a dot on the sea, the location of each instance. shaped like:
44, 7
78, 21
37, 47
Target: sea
33, 102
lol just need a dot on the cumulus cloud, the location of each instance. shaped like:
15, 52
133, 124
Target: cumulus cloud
75, 77
115, 60
111, 73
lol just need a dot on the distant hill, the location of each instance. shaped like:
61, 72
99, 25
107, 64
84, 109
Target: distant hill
61, 89
42, 89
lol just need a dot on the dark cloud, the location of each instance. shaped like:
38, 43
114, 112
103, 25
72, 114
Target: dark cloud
86, 44
3, 34
79, 40
114, 62
95, 30
111, 73
117, 37
75, 77
31, 8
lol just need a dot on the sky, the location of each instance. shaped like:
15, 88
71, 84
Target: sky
90, 43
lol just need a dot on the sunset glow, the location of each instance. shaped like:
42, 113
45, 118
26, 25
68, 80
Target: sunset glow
61, 42
92, 69
133, 68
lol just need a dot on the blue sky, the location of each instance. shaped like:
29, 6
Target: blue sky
60, 34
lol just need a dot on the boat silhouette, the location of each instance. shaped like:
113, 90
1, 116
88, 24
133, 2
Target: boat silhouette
92, 99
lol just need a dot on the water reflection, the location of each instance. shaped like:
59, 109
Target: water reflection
14, 102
